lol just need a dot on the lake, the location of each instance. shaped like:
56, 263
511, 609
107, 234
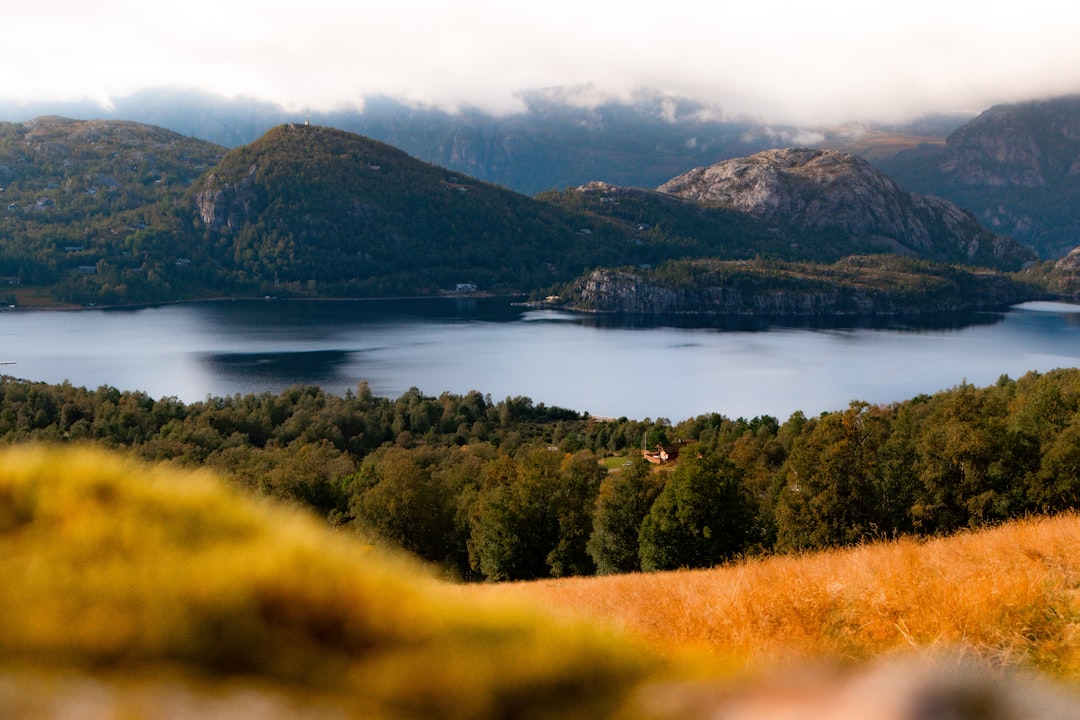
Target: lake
673, 368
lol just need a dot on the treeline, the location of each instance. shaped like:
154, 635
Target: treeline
515, 490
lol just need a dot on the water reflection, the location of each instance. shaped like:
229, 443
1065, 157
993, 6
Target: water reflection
333, 314
756, 323
278, 369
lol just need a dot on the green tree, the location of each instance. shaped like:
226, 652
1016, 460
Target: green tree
622, 503
700, 518
960, 442
512, 528
829, 495
409, 505
573, 500
532, 516
1057, 485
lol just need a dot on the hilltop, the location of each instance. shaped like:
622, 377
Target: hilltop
842, 196
93, 197
311, 210
109, 212
563, 137
986, 165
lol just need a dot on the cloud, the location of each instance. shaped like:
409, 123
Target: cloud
779, 60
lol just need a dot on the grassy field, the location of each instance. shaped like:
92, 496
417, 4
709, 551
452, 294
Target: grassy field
133, 591
1009, 595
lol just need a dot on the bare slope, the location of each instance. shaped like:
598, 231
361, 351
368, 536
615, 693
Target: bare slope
1016, 167
843, 196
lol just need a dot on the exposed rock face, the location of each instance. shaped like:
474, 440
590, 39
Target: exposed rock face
223, 204
833, 192
1016, 167
1069, 269
1070, 262
1031, 145
627, 293
632, 294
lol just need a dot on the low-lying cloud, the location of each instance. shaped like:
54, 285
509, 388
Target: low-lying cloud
780, 61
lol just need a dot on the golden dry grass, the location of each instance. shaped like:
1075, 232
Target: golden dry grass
874, 144
1010, 595
132, 591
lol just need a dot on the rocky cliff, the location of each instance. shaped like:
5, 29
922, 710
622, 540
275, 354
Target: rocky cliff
840, 194
1030, 145
1016, 167
223, 203
857, 286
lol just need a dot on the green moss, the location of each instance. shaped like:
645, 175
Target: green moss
112, 565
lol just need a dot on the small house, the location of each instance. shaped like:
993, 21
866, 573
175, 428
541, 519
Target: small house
657, 457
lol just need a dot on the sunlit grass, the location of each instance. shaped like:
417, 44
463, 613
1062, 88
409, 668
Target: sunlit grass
1010, 595
115, 567
124, 586
615, 462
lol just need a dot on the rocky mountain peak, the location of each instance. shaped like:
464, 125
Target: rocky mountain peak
833, 192
779, 184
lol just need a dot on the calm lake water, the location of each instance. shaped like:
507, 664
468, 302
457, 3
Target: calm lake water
674, 369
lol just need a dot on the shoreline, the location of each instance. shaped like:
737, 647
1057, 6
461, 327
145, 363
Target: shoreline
516, 301
69, 307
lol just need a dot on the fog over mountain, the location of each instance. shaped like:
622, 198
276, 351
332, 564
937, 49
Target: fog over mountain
778, 61
555, 142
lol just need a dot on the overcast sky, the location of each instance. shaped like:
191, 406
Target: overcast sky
778, 60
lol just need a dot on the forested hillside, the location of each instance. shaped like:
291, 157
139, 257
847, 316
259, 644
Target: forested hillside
87, 210
313, 211
113, 213
514, 490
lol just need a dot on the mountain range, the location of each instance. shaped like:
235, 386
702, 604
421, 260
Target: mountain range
115, 211
1012, 166
562, 138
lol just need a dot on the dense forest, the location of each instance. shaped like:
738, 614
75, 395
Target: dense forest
509, 489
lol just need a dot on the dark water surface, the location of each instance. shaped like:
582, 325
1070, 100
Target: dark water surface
674, 368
